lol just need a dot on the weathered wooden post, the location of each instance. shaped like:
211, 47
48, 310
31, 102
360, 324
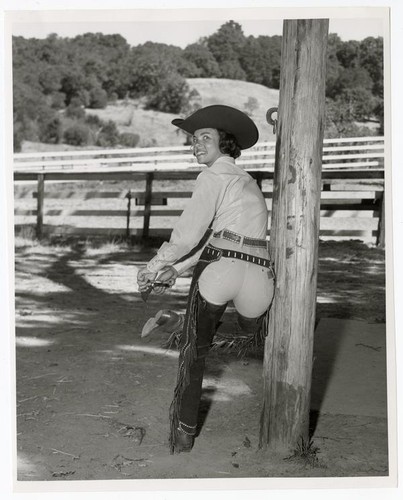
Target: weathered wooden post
147, 204
129, 208
380, 238
39, 205
294, 235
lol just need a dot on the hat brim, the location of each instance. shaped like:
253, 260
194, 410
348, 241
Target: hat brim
225, 118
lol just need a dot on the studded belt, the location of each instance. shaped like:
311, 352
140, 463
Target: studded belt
242, 240
213, 254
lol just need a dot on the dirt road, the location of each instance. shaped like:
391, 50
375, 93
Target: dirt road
93, 397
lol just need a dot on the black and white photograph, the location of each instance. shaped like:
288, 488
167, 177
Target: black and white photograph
199, 207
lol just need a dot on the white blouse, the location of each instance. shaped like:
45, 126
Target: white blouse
225, 197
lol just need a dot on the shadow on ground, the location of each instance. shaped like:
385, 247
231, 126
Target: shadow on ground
93, 397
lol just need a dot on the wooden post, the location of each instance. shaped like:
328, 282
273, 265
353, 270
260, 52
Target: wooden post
380, 239
259, 179
294, 233
147, 204
129, 207
39, 209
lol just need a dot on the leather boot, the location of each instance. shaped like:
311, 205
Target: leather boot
183, 442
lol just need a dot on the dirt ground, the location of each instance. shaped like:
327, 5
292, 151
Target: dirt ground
93, 397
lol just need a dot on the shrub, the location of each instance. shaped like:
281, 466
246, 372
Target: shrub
50, 130
76, 135
129, 140
98, 98
251, 105
94, 121
108, 135
113, 97
18, 137
75, 109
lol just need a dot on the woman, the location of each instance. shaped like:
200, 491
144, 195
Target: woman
233, 266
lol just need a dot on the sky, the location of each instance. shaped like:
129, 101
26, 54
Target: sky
184, 32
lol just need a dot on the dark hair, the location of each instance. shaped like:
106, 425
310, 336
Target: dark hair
227, 144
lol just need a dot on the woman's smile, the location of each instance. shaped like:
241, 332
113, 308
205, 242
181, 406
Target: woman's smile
206, 146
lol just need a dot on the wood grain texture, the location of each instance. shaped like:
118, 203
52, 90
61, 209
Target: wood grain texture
295, 234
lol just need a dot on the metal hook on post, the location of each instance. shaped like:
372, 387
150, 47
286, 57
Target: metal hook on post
270, 120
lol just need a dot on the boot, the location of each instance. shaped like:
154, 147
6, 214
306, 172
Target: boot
183, 442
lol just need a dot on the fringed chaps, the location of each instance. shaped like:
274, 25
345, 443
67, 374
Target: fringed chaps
188, 352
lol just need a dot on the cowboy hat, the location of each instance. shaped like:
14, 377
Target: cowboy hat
222, 117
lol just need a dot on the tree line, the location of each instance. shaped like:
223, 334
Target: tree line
55, 78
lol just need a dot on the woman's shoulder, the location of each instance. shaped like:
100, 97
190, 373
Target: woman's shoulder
208, 180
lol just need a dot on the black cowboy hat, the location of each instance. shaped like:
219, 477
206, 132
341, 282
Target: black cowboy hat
225, 118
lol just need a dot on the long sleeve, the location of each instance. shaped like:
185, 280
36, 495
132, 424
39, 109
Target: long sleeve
193, 222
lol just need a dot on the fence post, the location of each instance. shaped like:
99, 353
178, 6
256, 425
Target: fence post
129, 205
380, 237
147, 204
39, 210
258, 178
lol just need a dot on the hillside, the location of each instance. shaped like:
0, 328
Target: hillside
155, 128
236, 93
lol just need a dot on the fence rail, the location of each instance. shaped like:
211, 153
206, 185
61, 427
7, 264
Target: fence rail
141, 191
360, 152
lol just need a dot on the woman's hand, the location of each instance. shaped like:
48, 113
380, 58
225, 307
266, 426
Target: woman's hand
168, 275
145, 279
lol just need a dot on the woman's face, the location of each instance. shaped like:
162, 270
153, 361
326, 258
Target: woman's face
206, 146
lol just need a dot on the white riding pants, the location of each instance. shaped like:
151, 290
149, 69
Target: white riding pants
249, 286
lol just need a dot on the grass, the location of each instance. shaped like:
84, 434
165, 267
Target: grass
26, 238
305, 452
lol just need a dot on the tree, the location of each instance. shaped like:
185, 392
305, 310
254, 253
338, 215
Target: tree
49, 79
226, 46
350, 78
333, 66
98, 98
203, 60
153, 74
72, 85
347, 53
170, 96
371, 59
260, 59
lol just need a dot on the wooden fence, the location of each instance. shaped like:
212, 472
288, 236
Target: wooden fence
140, 192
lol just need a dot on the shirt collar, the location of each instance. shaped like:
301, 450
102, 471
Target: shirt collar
225, 164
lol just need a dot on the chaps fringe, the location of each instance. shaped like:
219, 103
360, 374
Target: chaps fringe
187, 355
